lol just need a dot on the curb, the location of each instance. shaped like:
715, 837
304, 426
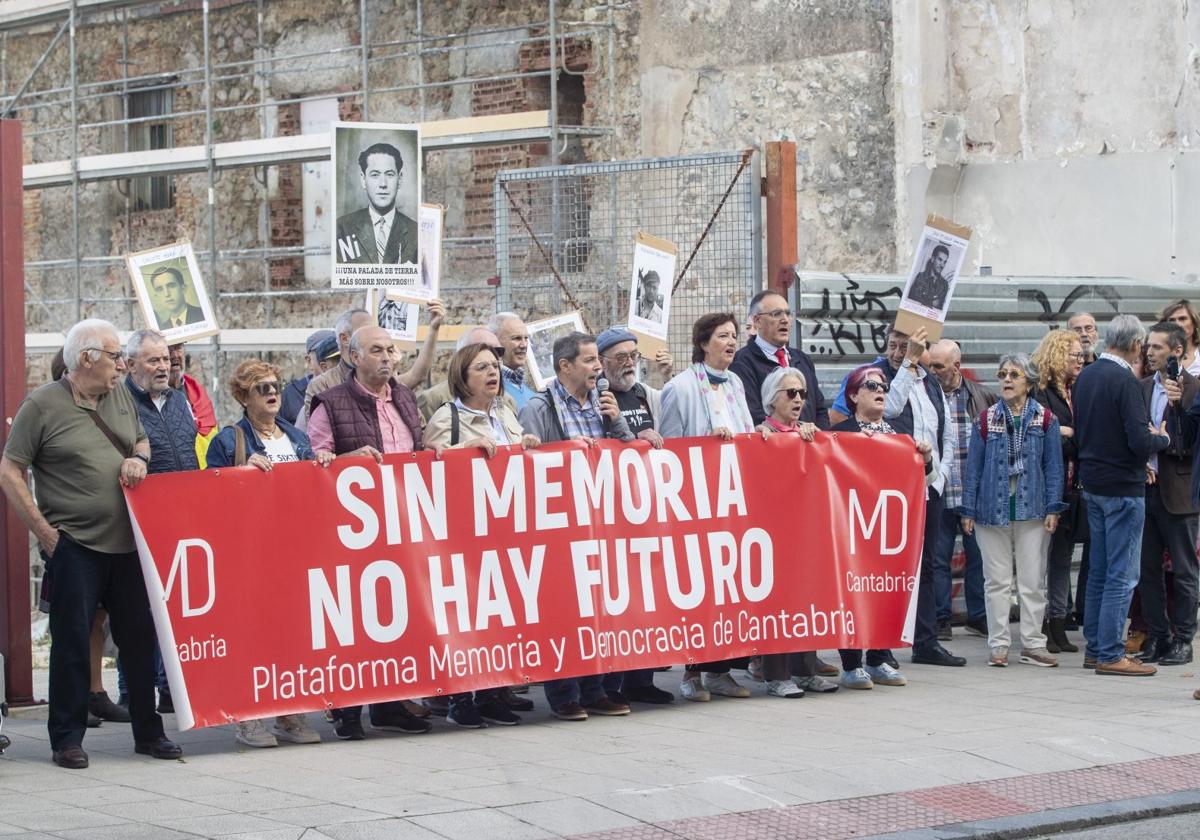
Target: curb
1058, 821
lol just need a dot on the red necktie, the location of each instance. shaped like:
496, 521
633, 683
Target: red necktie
782, 356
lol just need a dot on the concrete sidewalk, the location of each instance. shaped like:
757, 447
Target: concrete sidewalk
545, 778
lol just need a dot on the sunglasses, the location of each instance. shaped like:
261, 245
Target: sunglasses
1014, 375
265, 389
876, 385
792, 393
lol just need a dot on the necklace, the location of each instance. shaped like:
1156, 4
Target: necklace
269, 434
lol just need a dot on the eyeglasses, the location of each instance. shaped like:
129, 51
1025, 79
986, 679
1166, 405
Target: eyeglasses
115, 355
876, 385
265, 389
777, 314
1014, 375
1076, 356
484, 367
792, 393
624, 358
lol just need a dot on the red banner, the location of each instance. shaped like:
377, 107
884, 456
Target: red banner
305, 587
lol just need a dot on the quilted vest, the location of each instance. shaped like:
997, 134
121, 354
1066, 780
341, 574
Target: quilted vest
172, 431
353, 418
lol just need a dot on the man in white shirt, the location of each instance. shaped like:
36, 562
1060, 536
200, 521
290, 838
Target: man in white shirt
917, 406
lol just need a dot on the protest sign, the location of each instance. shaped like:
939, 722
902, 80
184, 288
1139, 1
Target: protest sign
650, 291
937, 260
170, 291
542, 335
309, 587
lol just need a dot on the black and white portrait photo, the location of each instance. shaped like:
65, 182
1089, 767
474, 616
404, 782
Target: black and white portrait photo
398, 317
169, 289
650, 287
376, 188
936, 263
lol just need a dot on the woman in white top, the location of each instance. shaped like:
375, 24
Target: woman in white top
1184, 314
477, 417
708, 399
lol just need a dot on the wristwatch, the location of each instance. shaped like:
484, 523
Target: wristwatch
143, 457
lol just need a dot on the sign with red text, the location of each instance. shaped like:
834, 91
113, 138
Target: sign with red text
311, 587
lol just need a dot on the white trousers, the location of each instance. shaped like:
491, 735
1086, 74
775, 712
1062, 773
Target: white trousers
1028, 542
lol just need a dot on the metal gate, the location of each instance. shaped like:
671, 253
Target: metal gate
565, 234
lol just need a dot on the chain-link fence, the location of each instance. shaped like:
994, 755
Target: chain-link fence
565, 236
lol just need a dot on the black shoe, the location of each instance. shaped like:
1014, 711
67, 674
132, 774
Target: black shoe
161, 747
396, 719
348, 727
439, 706
1072, 622
1058, 629
944, 633
976, 627
493, 711
650, 694
935, 654
509, 698
71, 758
102, 707
1051, 641
1153, 650
464, 713
618, 697
4, 743
1180, 653
890, 659
93, 721
166, 706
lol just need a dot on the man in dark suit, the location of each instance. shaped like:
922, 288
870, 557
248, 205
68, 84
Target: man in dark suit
769, 350
172, 307
1171, 514
378, 233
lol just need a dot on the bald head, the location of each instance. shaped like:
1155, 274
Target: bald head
374, 357
945, 360
477, 335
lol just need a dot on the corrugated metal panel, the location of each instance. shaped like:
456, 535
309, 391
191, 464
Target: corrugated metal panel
844, 318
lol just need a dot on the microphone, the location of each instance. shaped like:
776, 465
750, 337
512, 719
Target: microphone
601, 385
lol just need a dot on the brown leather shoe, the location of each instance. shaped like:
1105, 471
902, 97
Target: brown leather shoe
416, 709
71, 758
608, 707
1125, 667
570, 711
1135, 641
824, 669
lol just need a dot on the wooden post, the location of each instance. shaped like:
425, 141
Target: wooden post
780, 189
15, 642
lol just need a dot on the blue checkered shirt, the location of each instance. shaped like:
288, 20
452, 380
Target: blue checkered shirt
578, 419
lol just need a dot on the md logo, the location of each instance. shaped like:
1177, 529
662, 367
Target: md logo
181, 572
890, 505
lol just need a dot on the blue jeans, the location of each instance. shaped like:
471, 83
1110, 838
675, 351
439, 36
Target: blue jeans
581, 690
972, 576
1115, 565
160, 674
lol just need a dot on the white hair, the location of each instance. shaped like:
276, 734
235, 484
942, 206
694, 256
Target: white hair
85, 336
497, 321
133, 347
342, 325
475, 335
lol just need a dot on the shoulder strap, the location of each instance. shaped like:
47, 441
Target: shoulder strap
99, 421
239, 446
453, 424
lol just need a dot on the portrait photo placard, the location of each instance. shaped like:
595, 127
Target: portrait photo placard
429, 237
377, 199
542, 335
169, 289
398, 317
937, 261
650, 291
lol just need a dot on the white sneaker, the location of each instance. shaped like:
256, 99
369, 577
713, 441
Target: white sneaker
784, 688
816, 683
725, 685
885, 674
692, 689
295, 729
253, 733
857, 679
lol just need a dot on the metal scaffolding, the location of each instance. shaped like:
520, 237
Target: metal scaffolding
67, 114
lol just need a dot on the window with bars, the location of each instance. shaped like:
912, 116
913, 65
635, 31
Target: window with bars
156, 192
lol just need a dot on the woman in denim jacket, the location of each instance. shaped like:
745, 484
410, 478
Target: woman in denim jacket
1012, 489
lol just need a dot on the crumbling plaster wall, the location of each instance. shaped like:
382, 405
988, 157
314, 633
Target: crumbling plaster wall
1061, 131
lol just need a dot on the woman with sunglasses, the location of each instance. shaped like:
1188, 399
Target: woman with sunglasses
1012, 496
784, 392
1059, 359
866, 396
261, 439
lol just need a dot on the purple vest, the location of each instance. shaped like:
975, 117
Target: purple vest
354, 420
